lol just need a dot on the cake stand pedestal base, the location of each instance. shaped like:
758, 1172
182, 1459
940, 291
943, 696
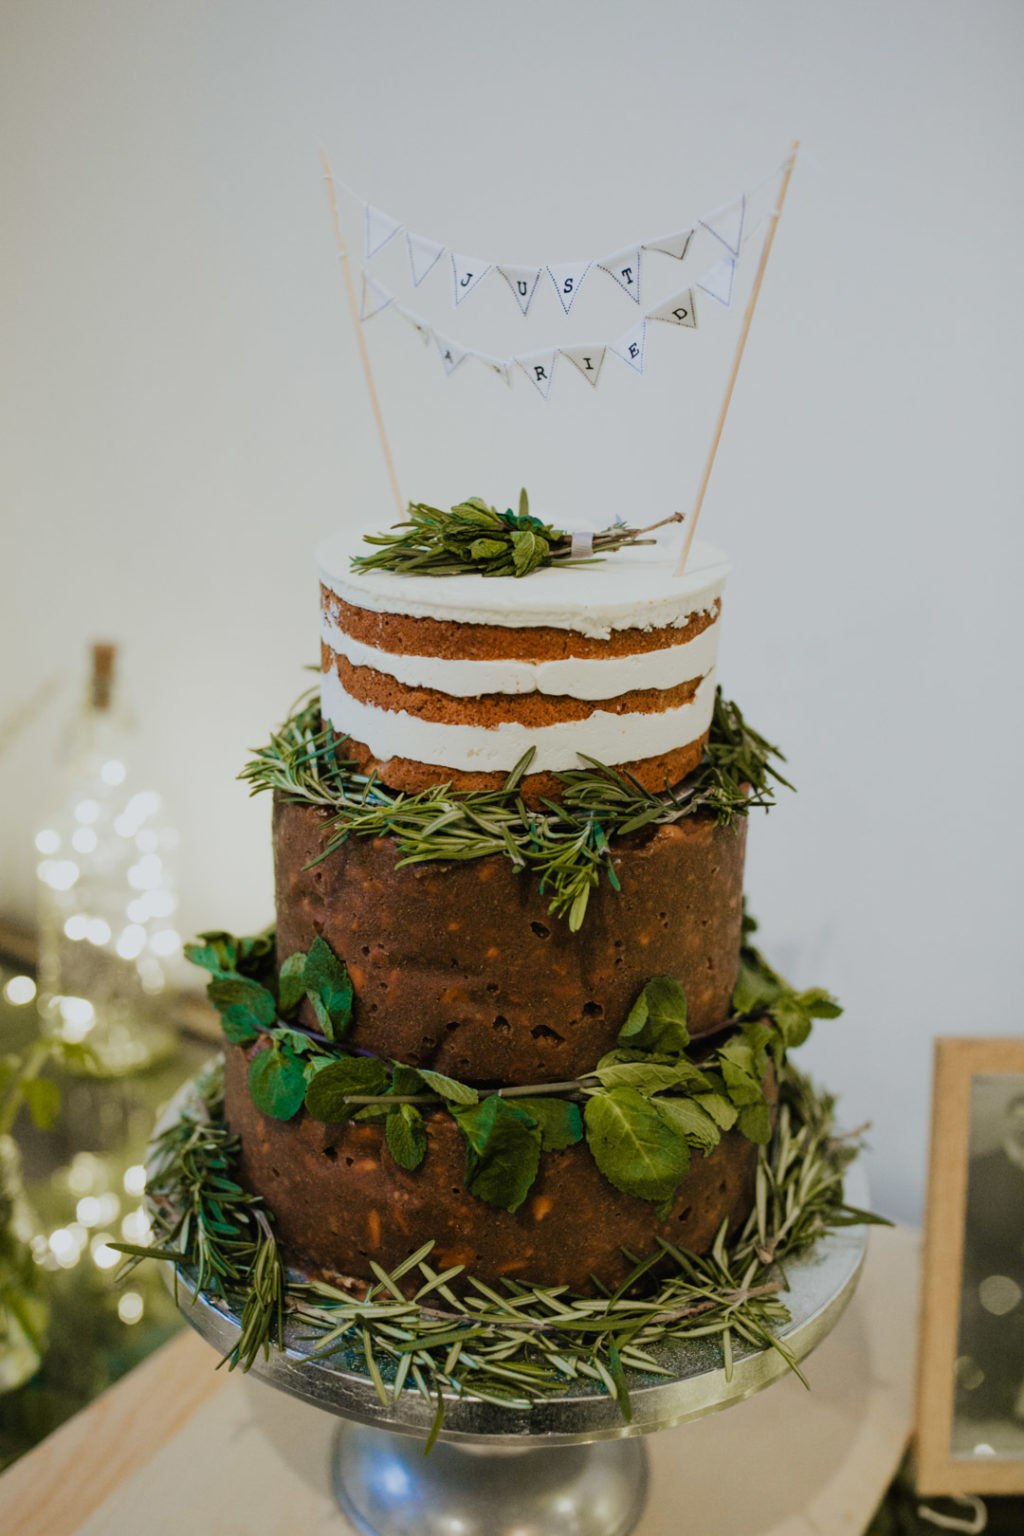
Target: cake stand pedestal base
386, 1486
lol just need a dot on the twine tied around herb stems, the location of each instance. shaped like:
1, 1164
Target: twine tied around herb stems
472, 538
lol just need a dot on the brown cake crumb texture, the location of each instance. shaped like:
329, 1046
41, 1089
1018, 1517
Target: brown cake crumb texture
405, 636
339, 1200
461, 967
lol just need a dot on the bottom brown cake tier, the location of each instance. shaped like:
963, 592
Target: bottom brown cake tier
339, 1200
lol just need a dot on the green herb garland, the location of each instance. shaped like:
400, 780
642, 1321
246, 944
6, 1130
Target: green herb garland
519, 1344
643, 1109
475, 539
567, 846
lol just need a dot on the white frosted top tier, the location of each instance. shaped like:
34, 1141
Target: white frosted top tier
633, 588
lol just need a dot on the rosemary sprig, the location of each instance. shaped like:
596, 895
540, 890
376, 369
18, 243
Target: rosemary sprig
522, 1343
566, 845
475, 539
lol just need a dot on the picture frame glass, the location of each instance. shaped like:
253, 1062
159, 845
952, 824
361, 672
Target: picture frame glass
988, 1408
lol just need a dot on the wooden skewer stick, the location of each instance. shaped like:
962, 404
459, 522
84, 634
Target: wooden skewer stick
360, 338
748, 316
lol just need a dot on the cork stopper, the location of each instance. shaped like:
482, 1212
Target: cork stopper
104, 656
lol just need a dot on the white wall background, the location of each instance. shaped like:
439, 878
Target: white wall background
185, 417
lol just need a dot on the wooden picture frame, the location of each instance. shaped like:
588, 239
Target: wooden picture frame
972, 1319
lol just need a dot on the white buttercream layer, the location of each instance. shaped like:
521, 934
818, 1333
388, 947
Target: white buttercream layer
573, 677
497, 748
634, 588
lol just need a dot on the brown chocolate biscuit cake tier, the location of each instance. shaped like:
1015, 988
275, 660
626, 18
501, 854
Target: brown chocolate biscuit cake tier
340, 1200
461, 967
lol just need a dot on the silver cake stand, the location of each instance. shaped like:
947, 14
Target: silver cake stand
567, 1466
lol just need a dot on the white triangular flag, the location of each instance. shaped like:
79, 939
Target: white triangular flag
587, 359
451, 355
523, 282
375, 297
380, 228
568, 280
726, 224
423, 327
624, 266
466, 273
502, 366
424, 255
718, 282
672, 245
539, 368
632, 346
678, 310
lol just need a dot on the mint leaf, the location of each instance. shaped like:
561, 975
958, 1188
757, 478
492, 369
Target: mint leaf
688, 1119
328, 983
560, 1122
756, 987
277, 1082
502, 1151
755, 1123
290, 983
650, 1077
721, 1109
448, 1088
256, 954
657, 1020
244, 1005
405, 1079
528, 551
223, 945
633, 1146
406, 1136
328, 1094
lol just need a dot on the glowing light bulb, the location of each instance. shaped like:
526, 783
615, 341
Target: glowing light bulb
98, 931
130, 1307
83, 839
20, 990
166, 942
59, 874
132, 941
77, 926
47, 841
135, 1179
113, 772
87, 811
147, 874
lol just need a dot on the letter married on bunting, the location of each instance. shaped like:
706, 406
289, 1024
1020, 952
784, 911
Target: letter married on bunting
451, 355
523, 282
624, 266
380, 228
726, 224
424, 255
539, 368
671, 245
632, 345
568, 277
717, 283
375, 297
466, 274
678, 310
587, 359
499, 365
